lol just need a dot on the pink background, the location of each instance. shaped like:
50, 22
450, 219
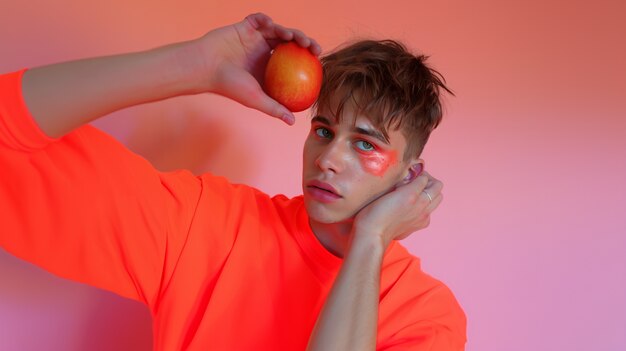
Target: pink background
532, 151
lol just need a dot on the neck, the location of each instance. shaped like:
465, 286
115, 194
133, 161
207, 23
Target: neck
335, 237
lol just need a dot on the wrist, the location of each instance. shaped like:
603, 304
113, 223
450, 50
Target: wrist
182, 68
368, 243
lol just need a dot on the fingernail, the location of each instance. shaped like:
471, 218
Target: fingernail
290, 119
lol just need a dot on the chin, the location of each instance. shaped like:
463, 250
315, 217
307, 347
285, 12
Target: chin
318, 212
322, 214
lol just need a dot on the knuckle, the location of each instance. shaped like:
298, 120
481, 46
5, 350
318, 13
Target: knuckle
415, 198
422, 201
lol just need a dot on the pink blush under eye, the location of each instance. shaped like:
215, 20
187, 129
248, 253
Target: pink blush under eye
378, 162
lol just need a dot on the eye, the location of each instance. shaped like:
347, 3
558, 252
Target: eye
364, 145
323, 132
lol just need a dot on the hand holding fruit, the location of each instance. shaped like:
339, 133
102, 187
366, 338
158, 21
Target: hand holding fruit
235, 57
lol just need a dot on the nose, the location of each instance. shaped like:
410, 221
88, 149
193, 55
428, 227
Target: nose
332, 158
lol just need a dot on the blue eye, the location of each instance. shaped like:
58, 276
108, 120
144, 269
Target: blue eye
323, 132
364, 145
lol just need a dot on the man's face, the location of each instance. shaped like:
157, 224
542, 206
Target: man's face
353, 160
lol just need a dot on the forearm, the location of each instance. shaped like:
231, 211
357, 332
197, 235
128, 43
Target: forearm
349, 318
64, 96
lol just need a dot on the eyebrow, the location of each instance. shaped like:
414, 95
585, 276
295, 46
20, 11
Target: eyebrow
364, 131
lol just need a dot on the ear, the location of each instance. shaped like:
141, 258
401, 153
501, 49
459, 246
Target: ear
415, 169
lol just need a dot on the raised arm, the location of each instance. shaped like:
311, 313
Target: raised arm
228, 61
86, 208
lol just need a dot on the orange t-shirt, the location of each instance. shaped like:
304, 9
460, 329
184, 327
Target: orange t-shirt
221, 266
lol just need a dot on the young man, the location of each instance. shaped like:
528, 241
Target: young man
224, 266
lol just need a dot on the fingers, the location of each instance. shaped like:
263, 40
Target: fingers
265, 104
428, 185
259, 20
296, 35
434, 204
275, 33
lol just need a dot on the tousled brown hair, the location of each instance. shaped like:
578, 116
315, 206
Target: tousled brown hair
392, 87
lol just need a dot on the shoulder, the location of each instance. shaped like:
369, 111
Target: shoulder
224, 194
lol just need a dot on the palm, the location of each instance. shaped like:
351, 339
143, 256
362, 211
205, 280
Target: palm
248, 49
244, 53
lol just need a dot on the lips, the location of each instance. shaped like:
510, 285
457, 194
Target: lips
323, 186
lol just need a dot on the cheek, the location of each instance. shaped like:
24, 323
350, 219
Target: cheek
307, 150
378, 162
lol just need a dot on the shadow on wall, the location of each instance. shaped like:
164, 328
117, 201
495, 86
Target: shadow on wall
122, 324
180, 134
83, 317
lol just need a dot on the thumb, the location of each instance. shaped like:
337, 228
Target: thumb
262, 102
245, 89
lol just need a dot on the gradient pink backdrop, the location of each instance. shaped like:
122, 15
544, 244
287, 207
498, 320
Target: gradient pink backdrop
532, 151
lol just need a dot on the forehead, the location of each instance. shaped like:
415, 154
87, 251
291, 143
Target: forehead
354, 106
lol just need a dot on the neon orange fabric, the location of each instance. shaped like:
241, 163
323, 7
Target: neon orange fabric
221, 266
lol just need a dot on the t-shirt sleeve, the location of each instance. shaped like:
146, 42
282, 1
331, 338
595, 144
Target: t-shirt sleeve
420, 313
444, 332
86, 208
